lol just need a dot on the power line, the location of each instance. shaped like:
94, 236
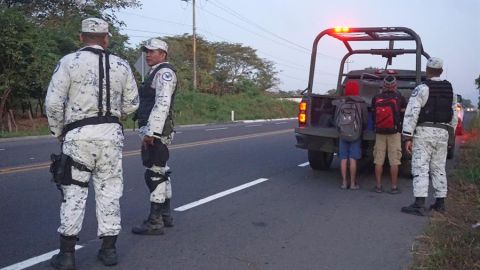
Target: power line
239, 16
253, 32
156, 19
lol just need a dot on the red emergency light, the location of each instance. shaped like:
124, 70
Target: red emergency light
341, 29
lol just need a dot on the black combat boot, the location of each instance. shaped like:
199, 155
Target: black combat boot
166, 215
108, 253
65, 259
439, 205
154, 224
416, 208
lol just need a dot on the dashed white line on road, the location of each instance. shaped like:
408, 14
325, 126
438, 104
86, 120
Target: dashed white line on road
253, 126
35, 260
2, 149
218, 195
280, 123
210, 129
304, 164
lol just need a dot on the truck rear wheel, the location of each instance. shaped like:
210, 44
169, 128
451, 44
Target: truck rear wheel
320, 160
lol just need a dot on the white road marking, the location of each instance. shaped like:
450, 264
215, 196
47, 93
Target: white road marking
304, 164
32, 158
218, 195
280, 123
35, 260
210, 129
2, 149
253, 126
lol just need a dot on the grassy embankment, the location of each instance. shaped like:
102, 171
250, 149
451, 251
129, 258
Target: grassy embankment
198, 108
452, 240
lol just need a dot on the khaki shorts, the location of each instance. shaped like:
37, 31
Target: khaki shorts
391, 143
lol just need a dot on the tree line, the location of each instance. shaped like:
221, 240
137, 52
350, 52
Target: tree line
36, 34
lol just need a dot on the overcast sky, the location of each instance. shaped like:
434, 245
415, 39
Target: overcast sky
283, 32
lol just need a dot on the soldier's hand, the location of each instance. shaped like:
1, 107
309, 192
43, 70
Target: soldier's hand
60, 138
408, 146
148, 140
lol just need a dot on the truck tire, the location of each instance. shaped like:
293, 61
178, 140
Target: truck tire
320, 160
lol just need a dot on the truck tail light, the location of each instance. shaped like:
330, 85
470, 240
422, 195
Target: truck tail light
302, 114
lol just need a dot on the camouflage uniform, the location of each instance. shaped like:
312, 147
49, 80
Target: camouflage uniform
73, 95
430, 145
164, 83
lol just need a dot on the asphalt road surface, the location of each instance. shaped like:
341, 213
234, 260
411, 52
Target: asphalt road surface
244, 198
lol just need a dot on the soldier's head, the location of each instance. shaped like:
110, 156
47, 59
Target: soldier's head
390, 83
434, 67
95, 32
156, 51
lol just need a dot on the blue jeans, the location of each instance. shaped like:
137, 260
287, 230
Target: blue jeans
351, 150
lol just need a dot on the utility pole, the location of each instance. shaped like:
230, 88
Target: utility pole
348, 62
194, 45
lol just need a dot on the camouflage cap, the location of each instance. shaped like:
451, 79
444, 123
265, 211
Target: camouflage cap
94, 25
155, 44
434, 62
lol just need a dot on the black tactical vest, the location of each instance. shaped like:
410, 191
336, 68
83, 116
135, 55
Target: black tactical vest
147, 101
438, 108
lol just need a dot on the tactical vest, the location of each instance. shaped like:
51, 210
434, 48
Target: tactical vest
147, 101
438, 108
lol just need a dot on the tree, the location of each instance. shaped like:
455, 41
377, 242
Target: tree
236, 63
467, 103
332, 92
35, 34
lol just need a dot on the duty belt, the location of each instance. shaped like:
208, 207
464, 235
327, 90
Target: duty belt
435, 125
96, 120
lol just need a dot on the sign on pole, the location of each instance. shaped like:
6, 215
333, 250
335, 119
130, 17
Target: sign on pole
141, 66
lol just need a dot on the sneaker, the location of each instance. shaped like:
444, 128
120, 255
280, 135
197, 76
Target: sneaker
355, 187
394, 191
377, 189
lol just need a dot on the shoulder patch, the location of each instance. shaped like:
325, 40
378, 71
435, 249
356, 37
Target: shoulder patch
167, 76
414, 92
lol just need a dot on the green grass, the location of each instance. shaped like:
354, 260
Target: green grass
36, 132
198, 108
449, 241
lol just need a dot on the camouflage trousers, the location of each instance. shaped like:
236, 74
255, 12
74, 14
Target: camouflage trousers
104, 158
430, 146
163, 190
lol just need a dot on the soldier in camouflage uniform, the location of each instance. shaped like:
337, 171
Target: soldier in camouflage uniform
429, 115
155, 119
84, 102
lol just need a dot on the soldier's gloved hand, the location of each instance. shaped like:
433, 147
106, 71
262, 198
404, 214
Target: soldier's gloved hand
408, 146
60, 138
148, 140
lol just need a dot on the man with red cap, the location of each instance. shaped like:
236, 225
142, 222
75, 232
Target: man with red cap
351, 119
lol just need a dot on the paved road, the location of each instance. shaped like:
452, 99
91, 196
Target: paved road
293, 218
